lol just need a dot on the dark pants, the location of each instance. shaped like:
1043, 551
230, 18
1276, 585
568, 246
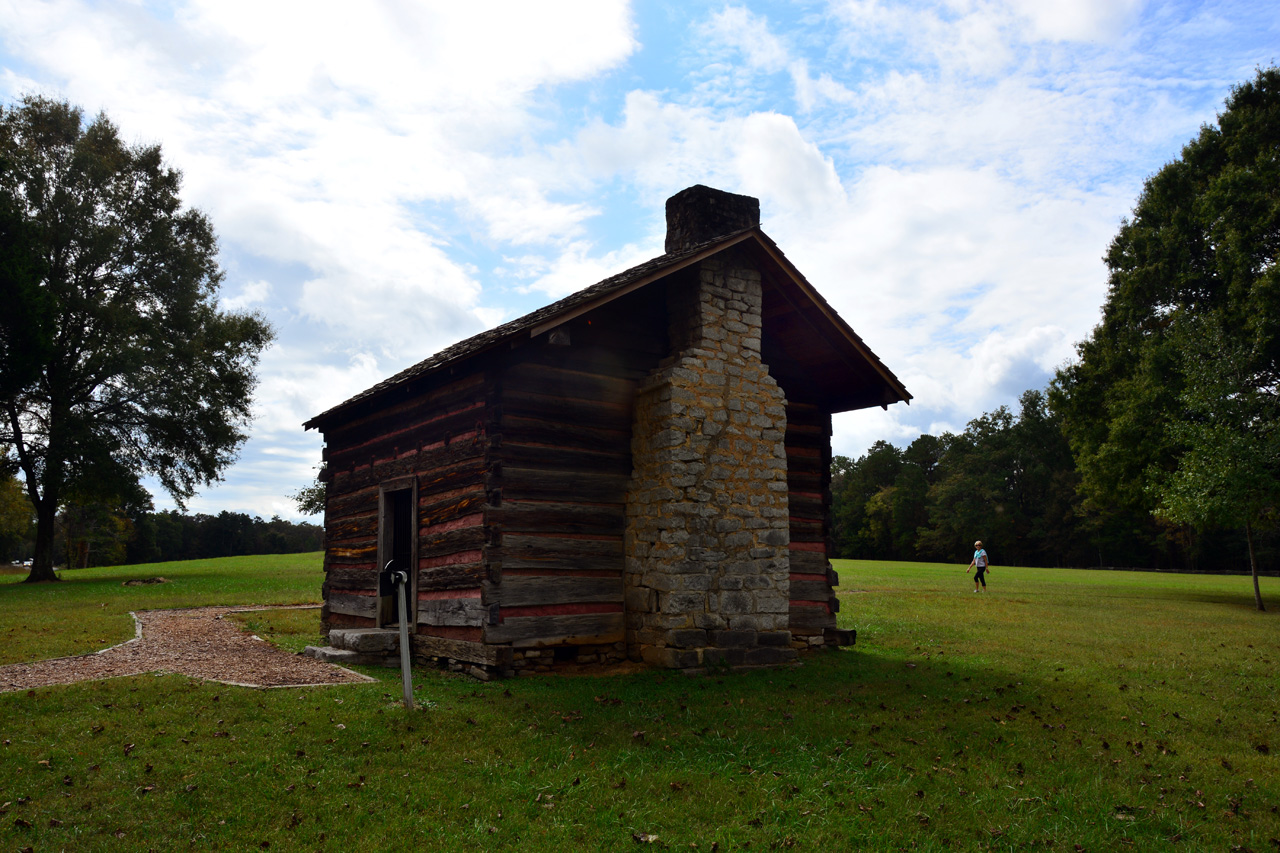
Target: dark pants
979, 576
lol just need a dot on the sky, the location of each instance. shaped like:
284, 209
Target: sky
387, 178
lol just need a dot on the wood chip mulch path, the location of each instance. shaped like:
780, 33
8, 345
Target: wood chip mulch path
197, 642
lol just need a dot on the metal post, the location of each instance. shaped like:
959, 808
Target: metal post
406, 674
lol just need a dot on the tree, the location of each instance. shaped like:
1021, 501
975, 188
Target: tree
15, 516
1200, 248
311, 499
1229, 431
116, 360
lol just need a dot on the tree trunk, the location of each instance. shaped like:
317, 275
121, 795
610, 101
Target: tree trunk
42, 561
1253, 566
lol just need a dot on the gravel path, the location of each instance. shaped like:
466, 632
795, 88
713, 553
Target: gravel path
196, 642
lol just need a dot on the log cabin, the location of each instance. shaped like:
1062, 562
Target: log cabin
638, 472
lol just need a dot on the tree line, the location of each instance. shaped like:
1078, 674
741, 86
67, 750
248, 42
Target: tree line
1159, 445
1010, 479
101, 534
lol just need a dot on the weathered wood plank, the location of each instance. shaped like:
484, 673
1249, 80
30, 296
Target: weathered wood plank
548, 564
564, 434
455, 429
533, 484
515, 547
547, 517
425, 449
345, 555
804, 531
414, 407
810, 562
804, 481
429, 482
805, 438
341, 577
542, 379
353, 605
451, 542
425, 646
581, 629
515, 452
805, 507
810, 591
454, 507
631, 356
527, 591
342, 503
460, 576
600, 414
455, 611
354, 527
808, 618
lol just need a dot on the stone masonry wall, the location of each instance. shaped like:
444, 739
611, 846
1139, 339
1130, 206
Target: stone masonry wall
707, 566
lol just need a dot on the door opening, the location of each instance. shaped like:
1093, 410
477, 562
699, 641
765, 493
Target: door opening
396, 546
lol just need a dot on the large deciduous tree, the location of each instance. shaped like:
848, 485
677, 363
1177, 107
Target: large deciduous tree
1228, 472
1193, 278
115, 360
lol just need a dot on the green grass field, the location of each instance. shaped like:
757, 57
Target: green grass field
1061, 710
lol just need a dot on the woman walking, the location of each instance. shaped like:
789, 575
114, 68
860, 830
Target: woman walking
979, 565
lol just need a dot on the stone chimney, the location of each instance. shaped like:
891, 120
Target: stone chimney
707, 575
699, 214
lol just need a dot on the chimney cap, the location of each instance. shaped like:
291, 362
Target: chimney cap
700, 213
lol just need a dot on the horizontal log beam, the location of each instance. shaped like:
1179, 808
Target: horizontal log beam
530, 591
576, 384
516, 453
579, 629
810, 590
426, 646
568, 435
353, 605
341, 577
806, 617
461, 576
599, 414
811, 562
516, 547
456, 611
532, 484
451, 542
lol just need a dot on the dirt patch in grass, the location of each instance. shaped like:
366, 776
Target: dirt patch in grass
197, 642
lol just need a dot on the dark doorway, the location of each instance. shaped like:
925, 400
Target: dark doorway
396, 546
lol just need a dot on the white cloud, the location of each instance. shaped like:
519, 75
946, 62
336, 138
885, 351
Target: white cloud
1079, 20
749, 33
387, 179
578, 267
251, 293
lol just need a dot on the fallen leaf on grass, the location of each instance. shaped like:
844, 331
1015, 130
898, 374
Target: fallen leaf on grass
643, 837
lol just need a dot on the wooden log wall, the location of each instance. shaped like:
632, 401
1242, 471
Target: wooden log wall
437, 438
561, 467
813, 602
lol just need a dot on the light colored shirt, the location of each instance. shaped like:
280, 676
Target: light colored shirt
980, 558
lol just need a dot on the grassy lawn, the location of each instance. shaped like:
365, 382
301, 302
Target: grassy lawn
1060, 710
89, 609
